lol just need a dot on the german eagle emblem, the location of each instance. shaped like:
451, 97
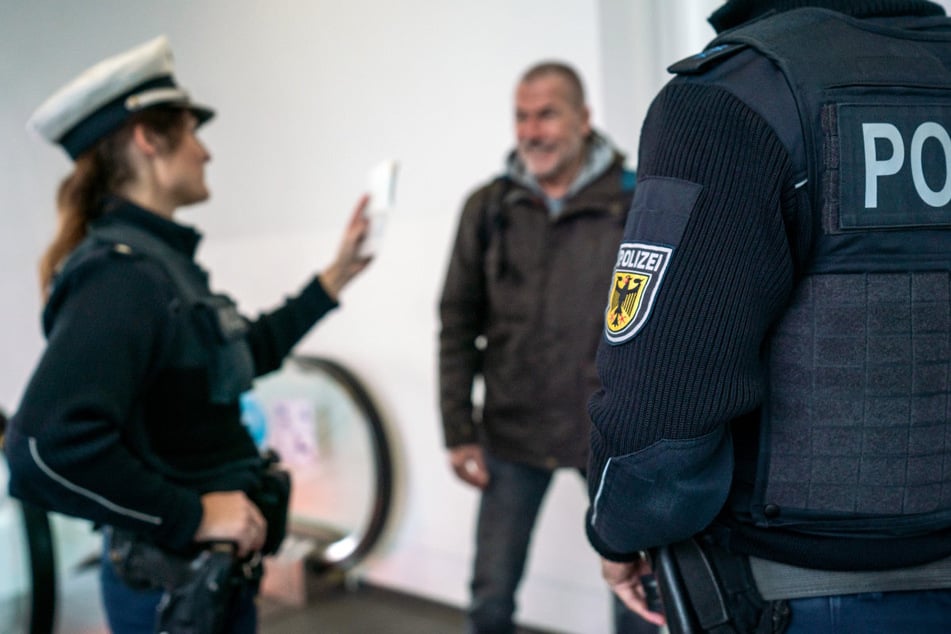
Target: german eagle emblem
636, 279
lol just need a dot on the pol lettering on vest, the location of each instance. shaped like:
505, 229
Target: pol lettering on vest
637, 276
895, 166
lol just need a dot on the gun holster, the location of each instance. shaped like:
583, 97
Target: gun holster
707, 589
273, 498
201, 605
199, 589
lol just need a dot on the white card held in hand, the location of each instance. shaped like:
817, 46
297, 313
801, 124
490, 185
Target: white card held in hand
382, 189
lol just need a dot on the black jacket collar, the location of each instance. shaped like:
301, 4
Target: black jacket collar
180, 237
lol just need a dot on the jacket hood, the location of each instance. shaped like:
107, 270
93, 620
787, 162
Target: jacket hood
601, 156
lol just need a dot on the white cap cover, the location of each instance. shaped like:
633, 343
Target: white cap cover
99, 100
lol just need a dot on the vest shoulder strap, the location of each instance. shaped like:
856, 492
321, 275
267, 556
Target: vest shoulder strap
171, 261
756, 80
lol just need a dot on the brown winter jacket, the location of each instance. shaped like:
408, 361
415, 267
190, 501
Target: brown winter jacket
523, 306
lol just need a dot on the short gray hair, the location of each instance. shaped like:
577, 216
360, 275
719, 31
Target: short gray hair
566, 72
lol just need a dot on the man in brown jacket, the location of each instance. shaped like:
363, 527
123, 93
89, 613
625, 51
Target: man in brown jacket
522, 310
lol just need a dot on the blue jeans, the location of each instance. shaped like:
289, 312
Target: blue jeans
924, 612
507, 514
131, 611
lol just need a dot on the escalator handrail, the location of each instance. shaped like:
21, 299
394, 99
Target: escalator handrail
383, 461
39, 540
39, 537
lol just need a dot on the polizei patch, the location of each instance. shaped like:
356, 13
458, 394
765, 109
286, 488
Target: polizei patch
637, 277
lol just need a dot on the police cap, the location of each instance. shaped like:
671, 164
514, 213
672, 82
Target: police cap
102, 98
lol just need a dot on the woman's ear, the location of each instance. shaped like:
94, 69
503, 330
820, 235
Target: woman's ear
146, 141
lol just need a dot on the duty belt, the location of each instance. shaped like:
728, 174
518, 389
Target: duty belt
782, 581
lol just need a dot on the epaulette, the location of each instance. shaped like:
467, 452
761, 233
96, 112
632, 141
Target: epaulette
122, 248
704, 60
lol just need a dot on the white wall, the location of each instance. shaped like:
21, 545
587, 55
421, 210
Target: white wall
309, 95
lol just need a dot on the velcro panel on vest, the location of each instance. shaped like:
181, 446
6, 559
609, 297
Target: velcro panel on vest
859, 376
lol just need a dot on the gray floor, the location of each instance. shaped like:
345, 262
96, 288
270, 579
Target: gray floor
364, 610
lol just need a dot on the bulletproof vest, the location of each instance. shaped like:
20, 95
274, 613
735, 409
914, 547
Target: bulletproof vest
855, 436
211, 334
214, 332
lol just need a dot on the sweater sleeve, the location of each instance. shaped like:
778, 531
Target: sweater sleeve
714, 186
108, 324
273, 335
462, 311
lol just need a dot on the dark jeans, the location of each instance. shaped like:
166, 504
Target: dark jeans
927, 612
507, 515
131, 611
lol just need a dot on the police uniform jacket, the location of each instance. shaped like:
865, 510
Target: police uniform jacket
720, 236
531, 285
133, 411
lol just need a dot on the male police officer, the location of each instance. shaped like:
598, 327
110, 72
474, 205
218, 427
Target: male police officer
775, 366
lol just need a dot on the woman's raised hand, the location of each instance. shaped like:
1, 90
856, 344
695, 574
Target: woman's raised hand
349, 262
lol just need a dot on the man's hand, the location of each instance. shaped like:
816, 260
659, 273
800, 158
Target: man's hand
624, 578
468, 462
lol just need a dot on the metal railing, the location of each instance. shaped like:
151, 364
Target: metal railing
363, 538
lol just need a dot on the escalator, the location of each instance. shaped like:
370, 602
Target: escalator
325, 425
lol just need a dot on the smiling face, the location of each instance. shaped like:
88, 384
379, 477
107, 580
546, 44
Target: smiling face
550, 128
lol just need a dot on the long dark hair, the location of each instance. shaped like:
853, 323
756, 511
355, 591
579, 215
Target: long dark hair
98, 172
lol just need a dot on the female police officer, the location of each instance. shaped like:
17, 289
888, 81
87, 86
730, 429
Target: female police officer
132, 417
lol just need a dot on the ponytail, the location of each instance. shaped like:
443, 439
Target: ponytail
77, 203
